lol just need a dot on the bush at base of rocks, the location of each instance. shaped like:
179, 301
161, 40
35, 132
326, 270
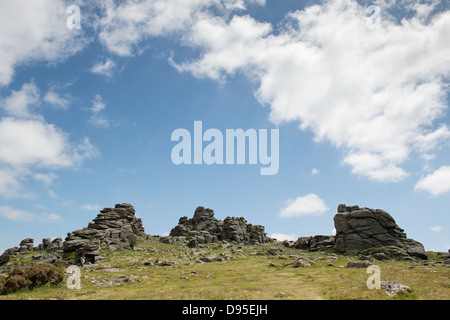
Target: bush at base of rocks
31, 277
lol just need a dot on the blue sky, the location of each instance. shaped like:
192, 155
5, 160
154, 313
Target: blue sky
358, 91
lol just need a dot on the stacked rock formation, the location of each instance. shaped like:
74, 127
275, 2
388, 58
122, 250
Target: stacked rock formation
110, 227
27, 245
367, 232
205, 228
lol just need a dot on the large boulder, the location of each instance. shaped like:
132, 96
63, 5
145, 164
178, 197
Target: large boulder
363, 228
7, 254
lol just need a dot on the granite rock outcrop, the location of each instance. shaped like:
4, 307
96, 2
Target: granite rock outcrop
370, 233
111, 227
203, 227
360, 230
53, 247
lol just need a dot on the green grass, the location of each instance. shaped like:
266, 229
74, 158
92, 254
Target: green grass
247, 276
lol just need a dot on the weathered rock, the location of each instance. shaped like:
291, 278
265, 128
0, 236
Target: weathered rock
256, 234
7, 254
111, 226
303, 243
358, 229
321, 243
358, 264
362, 228
414, 248
288, 243
46, 243
205, 228
386, 253
301, 262
395, 288
315, 243
273, 251
210, 259
27, 245
165, 263
55, 245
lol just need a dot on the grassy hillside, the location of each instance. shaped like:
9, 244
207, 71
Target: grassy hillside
155, 270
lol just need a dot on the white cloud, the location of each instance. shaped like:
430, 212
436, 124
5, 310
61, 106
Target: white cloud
283, 236
10, 213
423, 10
50, 217
52, 194
315, 171
28, 144
10, 183
20, 103
98, 119
436, 228
90, 207
32, 142
16, 215
228, 46
45, 178
84, 150
98, 104
57, 100
350, 85
104, 68
123, 27
34, 31
310, 204
435, 183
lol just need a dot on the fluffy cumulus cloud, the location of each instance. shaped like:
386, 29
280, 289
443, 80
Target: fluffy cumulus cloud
29, 145
56, 100
104, 67
310, 204
31, 142
370, 83
15, 214
34, 31
377, 93
435, 183
19, 103
125, 25
10, 213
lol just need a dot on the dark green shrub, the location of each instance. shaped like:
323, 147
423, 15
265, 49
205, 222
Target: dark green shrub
132, 240
31, 277
61, 264
14, 283
41, 274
